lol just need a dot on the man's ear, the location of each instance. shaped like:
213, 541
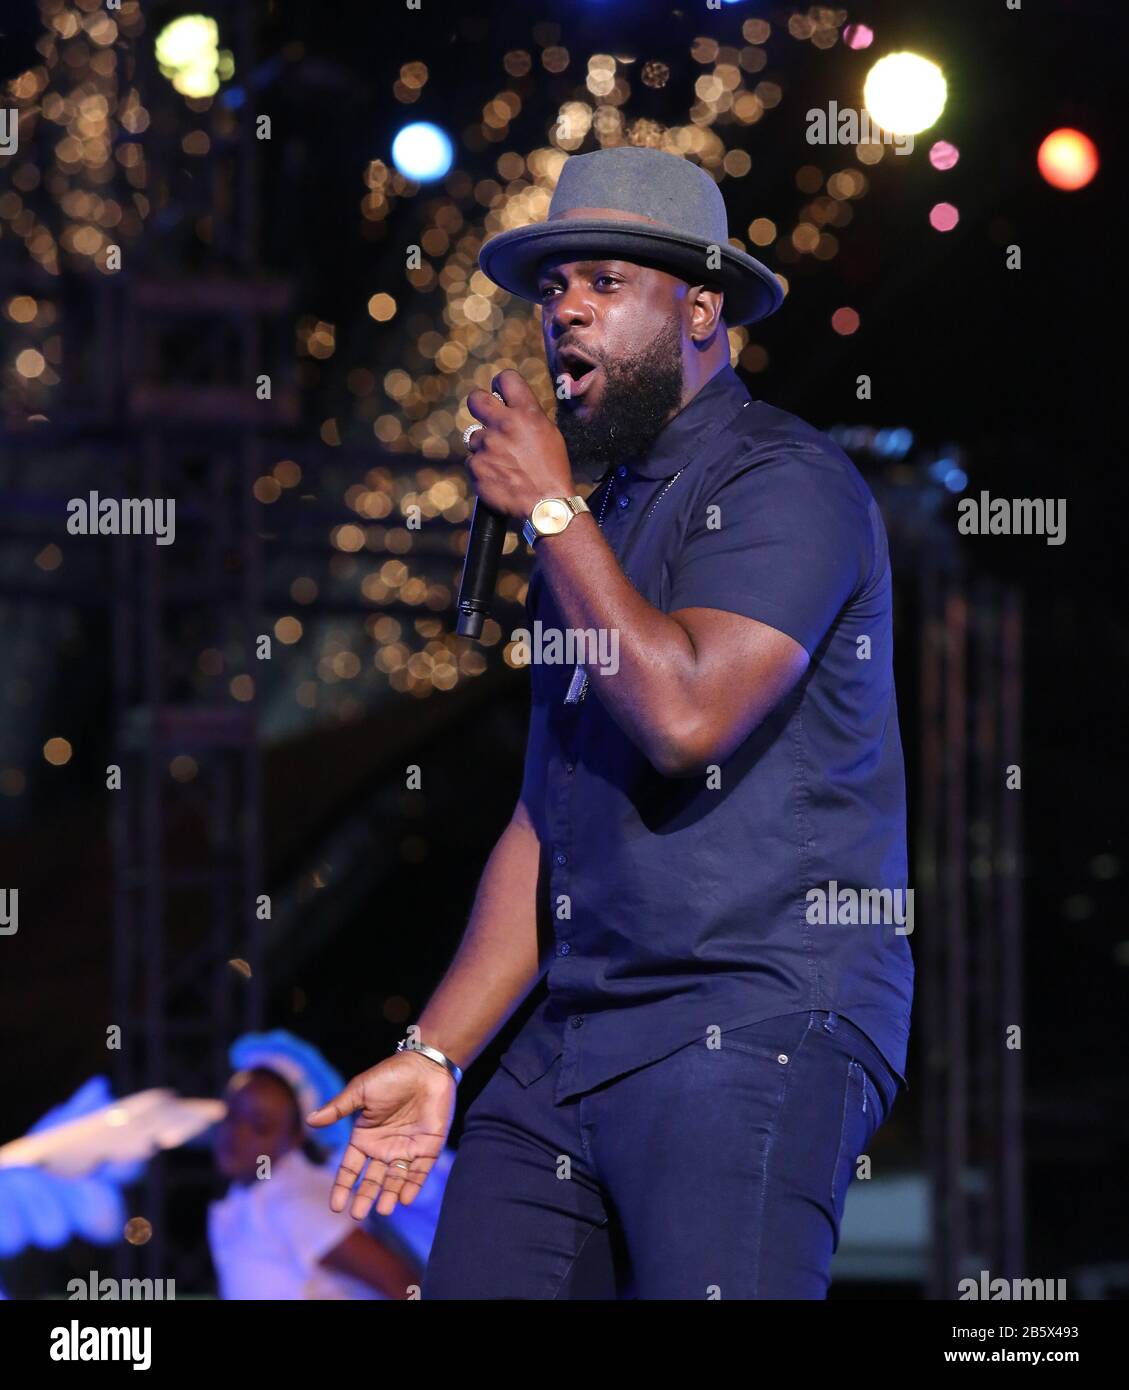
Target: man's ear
706, 306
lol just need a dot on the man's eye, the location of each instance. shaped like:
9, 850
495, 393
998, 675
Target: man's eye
546, 289
611, 280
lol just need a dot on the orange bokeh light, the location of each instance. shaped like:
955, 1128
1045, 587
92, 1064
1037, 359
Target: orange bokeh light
1068, 159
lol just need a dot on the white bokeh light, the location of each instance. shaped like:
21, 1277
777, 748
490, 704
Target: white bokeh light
422, 152
905, 93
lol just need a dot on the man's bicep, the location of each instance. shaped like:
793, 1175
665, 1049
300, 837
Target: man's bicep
743, 669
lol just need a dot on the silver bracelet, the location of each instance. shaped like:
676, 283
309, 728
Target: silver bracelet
409, 1045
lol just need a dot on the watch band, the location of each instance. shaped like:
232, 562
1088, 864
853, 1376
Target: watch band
433, 1053
576, 505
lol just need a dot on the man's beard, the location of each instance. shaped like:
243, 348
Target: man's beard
640, 395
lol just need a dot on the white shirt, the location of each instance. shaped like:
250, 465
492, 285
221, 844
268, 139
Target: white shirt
267, 1236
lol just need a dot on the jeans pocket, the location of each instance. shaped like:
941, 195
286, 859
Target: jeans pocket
858, 1114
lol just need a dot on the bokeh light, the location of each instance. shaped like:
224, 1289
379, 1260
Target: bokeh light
422, 152
1068, 159
943, 217
905, 93
57, 751
138, 1231
188, 54
943, 156
845, 321
858, 36
382, 307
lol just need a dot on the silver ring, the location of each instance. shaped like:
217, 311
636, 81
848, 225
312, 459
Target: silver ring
401, 1163
470, 429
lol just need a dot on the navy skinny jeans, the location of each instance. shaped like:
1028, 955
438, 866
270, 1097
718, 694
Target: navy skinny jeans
712, 1173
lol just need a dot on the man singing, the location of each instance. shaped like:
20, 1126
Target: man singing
681, 1116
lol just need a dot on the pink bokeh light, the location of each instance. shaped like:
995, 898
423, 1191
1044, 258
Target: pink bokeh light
943, 217
943, 156
858, 36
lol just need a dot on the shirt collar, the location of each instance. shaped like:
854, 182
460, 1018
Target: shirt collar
682, 438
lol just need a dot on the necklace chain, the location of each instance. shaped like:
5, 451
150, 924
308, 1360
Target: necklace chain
604, 504
654, 504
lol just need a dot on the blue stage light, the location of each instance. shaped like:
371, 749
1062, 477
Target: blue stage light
422, 152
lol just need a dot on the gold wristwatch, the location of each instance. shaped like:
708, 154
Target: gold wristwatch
551, 515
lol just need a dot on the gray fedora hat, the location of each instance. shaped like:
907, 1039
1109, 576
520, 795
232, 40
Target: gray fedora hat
671, 215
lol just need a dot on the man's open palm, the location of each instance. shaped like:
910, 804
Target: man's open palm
403, 1116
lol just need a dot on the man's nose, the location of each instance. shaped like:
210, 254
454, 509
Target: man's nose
568, 310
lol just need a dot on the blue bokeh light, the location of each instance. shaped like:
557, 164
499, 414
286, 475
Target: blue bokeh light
949, 474
893, 443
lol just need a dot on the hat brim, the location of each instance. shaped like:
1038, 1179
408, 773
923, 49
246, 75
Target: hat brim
512, 259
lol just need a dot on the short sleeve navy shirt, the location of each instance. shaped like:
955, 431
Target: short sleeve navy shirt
682, 904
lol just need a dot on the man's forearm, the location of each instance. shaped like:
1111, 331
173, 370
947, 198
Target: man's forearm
497, 962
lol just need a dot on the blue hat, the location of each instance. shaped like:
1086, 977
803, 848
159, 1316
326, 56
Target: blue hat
676, 217
313, 1079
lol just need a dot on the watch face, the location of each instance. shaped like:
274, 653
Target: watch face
551, 515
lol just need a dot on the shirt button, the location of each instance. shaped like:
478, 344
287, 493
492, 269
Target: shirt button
563, 949
576, 1021
561, 858
624, 501
570, 767
622, 470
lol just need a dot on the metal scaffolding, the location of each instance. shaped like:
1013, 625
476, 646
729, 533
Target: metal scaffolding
187, 852
969, 874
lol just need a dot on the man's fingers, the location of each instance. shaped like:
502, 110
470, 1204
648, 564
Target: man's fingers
403, 1179
369, 1189
413, 1180
513, 388
377, 1182
485, 406
351, 1167
398, 1178
363, 1199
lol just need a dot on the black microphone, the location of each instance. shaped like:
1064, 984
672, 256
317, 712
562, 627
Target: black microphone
480, 568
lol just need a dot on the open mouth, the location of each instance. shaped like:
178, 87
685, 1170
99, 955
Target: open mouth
577, 372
